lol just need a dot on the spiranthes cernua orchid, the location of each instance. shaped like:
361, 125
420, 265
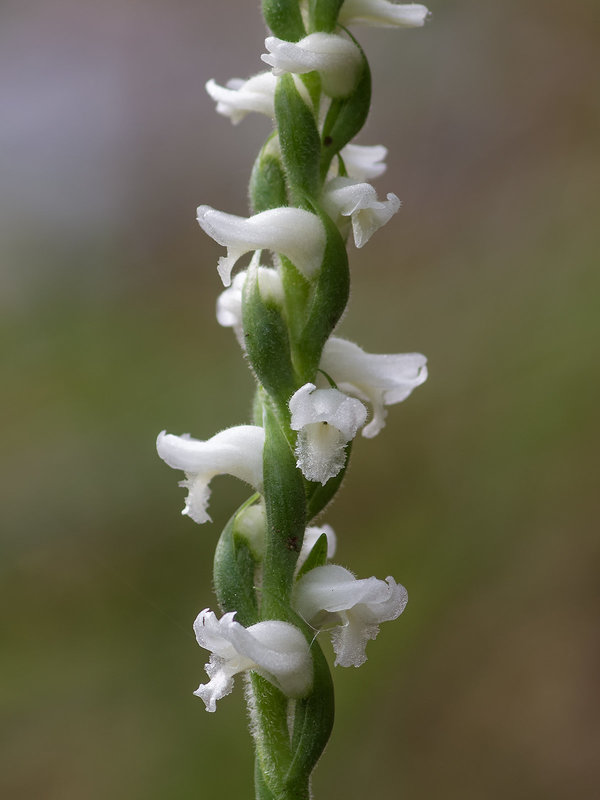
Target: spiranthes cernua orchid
310, 192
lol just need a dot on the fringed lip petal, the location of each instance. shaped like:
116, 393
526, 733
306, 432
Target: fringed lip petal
235, 451
331, 596
275, 649
326, 420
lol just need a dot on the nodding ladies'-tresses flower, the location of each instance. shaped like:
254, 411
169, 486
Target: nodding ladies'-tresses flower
293, 232
235, 451
238, 97
229, 302
331, 596
257, 94
364, 162
276, 650
379, 379
335, 57
344, 197
383, 13
326, 420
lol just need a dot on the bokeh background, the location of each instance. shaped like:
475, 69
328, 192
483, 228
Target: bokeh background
481, 496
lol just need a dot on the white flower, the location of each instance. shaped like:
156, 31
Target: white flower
331, 596
311, 535
229, 302
293, 232
336, 58
383, 13
235, 451
345, 197
276, 650
381, 380
327, 420
364, 162
240, 97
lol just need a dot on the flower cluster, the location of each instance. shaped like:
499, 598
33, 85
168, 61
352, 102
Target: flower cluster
310, 191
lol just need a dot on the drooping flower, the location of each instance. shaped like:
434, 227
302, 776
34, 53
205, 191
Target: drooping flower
364, 162
229, 302
235, 451
238, 97
379, 379
276, 650
335, 57
383, 13
331, 596
311, 535
326, 420
293, 232
346, 198
257, 94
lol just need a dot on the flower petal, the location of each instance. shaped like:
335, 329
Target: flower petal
240, 97
335, 57
293, 232
383, 13
345, 197
275, 649
235, 451
364, 162
326, 420
382, 379
331, 595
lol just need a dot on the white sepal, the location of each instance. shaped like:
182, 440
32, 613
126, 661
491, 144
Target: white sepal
229, 302
331, 596
235, 451
380, 379
293, 232
336, 58
326, 420
383, 13
364, 162
240, 97
276, 650
347, 198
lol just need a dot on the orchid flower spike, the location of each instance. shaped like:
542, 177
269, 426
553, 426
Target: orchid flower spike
229, 302
331, 596
347, 198
381, 380
276, 650
335, 57
238, 97
326, 420
235, 451
383, 13
293, 232
364, 162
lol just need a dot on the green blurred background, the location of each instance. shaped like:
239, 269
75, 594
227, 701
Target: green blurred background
481, 494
